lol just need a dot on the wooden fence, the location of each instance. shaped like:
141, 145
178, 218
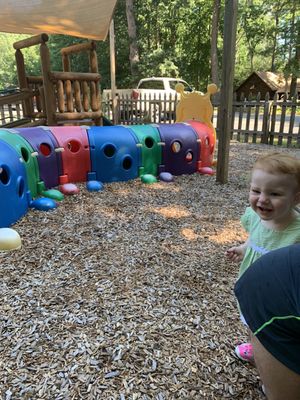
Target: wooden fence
255, 120
275, 121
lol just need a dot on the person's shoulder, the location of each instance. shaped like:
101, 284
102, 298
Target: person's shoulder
289, 254
294, 251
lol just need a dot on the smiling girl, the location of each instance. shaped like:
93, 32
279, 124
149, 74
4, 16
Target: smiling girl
272, 220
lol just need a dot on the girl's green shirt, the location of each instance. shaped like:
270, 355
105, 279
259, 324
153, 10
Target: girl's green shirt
262, 240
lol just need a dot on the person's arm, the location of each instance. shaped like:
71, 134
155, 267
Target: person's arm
237, 253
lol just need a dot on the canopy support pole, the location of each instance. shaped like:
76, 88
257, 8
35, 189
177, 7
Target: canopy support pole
225, 110
113, 72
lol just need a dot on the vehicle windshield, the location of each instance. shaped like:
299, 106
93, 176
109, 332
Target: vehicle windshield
187, 87
158, 84
152, 84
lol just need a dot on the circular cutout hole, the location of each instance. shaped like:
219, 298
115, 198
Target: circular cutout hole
149, 142
20, 186
109, 150
176, 147
73, 146
45, 149
25, 154
4, 175
189, 156
127, 162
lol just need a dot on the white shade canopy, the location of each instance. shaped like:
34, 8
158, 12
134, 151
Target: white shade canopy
82, 18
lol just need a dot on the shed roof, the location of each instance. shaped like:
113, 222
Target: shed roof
276, 81
89, 19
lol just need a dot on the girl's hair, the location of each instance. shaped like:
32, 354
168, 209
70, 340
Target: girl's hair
279, 163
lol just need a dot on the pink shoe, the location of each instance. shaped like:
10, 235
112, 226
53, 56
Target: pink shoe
244, 352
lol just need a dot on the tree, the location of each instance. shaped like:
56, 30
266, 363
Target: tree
133, 54
180, 38
295, 63
214, 42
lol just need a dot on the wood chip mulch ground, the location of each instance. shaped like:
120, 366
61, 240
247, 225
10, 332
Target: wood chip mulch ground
126, 294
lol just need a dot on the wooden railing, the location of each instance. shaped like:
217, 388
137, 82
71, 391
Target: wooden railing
12, 109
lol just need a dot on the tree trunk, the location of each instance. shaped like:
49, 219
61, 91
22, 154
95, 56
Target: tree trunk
273, 67
134, 53
214, 43
296, 66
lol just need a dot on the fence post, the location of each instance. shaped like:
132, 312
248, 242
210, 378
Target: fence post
284, 105
256, 117
266, 120
293, 99
273, 111
233, 115
241, 112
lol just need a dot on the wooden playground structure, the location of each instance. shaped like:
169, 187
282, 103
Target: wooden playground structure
59, 98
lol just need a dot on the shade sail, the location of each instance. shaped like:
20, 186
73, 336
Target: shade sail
83, 18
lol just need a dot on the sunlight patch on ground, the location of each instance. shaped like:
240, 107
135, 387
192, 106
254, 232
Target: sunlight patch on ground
123, 192
228, 236
108, 212
164, 186
189, 234
172, 212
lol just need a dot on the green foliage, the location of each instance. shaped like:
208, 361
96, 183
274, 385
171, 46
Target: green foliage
79, 62
174, 39
266, 33
8, 72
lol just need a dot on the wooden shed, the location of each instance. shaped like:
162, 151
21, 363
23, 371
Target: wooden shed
263, 82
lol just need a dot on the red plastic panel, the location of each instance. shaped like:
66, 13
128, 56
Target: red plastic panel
207, 143
76, 160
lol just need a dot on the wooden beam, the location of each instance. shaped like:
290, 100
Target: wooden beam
70, 116
77, 48
225, 110
73, 76
31, 41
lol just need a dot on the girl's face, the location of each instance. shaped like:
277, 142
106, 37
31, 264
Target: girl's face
273, 196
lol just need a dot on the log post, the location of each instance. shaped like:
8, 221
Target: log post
85, 96
23, 84
69, 95
66, 63
93, 61
60, 96
50, 101
77, 95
